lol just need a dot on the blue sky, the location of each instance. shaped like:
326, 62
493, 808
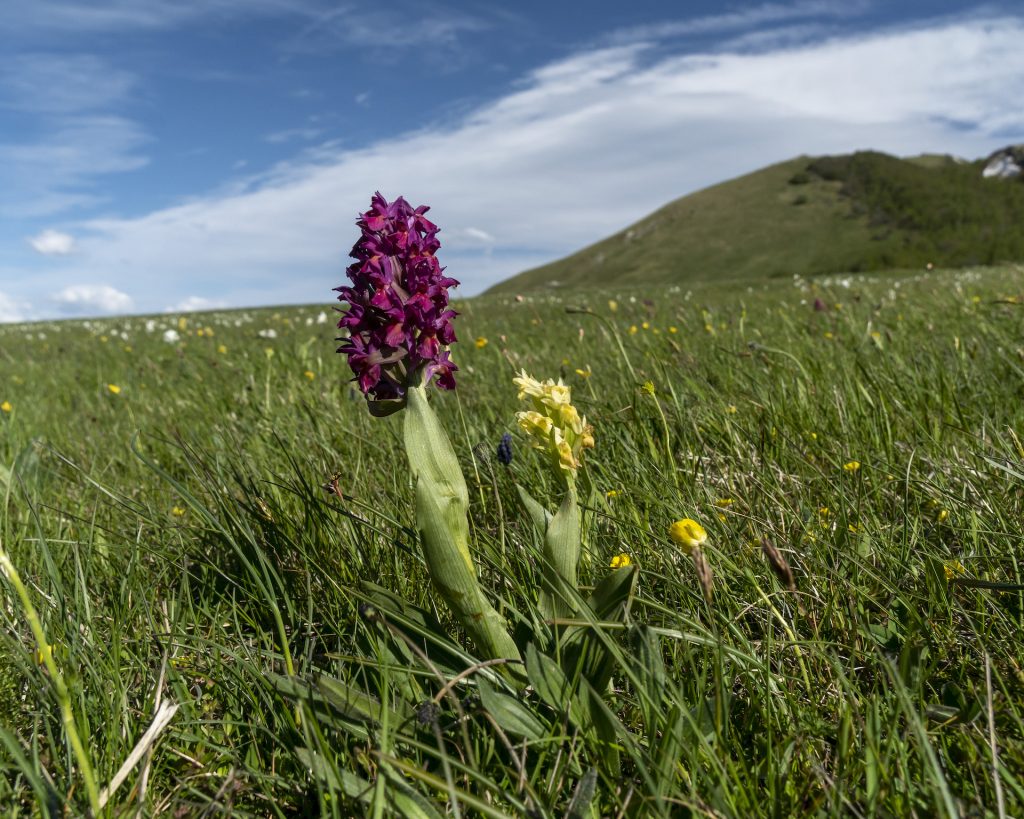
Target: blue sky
174, 154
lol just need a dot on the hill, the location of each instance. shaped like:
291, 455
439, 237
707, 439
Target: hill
809, 216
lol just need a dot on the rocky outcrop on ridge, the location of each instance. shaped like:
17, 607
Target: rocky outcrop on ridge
1005, 163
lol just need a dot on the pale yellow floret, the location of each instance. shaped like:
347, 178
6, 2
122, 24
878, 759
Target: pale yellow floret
566, 460
533, 423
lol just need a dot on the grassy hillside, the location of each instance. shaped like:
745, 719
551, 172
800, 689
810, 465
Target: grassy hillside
163, 506
808, 216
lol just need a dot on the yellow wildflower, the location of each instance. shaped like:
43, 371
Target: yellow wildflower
731, 409
633, 330
829, 336
584, 373
673, 330
648, 387
481, 342
687, 534
612, 493
613, 305
43, 654
532, 387
182, 323
942, 516
953, 568
851, 466
222, 349
177, 511
533, 423
620, 561
116, 390
104, 339
645, 326
554, 423
566, 460
6, 406
723, 502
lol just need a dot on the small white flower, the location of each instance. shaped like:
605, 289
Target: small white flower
170, 336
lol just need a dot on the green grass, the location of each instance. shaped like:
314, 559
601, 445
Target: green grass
809, 216
178, 546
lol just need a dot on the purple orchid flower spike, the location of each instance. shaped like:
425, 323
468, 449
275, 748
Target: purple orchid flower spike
397, 314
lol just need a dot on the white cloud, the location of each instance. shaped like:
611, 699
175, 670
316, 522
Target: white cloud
194, 304
53, 243
12, 310
578, 150
476, 233
80, 299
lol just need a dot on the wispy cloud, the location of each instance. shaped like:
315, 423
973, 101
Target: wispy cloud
290, 134
47, 83
379, 27
66, 16
61, 130
744, 19
580, 149
55, 173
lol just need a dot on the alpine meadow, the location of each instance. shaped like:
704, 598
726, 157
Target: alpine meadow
535, 410
793, 509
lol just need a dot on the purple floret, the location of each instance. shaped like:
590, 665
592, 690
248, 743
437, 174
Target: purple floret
398, 318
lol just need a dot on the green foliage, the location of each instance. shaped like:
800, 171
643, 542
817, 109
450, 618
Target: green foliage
858, 212
948, 214
178, 544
